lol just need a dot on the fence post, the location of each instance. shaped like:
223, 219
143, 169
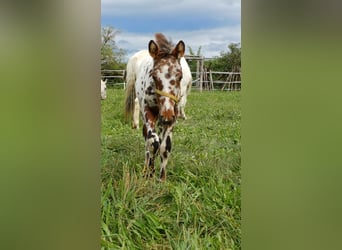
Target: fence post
201, 75
211, 80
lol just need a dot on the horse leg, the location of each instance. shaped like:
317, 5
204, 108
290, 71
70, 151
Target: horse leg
136, 111
182, 113
180, 108
152, 144
151, 149
165, 150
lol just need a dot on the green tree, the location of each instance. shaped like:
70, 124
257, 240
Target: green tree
234, 56
111, 55
227, 61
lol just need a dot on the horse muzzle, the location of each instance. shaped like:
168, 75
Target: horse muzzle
167, 120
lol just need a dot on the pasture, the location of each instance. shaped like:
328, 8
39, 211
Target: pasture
199, 206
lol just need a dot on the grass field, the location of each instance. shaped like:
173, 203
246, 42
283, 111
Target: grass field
199, 206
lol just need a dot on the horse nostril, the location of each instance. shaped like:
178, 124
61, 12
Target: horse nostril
167, 120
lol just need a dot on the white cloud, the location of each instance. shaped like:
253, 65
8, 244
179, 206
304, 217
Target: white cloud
212, 41
222, 16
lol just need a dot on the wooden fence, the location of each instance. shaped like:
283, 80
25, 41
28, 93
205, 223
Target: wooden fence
202, 80
215, 80
206, 79
112, 75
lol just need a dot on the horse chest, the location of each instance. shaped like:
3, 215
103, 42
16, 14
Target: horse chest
150, 100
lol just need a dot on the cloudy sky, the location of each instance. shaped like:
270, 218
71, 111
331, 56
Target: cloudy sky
211, 24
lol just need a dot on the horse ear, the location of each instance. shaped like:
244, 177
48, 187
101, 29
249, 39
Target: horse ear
179, 50
153, 49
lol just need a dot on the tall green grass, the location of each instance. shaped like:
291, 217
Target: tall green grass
199, 206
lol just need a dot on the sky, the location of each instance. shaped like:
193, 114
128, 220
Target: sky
209, 24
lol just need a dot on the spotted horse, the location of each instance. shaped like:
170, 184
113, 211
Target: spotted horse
132, 70
157, 88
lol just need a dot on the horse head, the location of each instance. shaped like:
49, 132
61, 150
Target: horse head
103, 89
167, 75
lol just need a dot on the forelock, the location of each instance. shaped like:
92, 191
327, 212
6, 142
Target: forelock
165, 45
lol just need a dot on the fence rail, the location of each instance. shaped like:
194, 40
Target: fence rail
212, 80
112, 74
205, 80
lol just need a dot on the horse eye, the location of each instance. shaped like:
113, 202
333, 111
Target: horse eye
155, 78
